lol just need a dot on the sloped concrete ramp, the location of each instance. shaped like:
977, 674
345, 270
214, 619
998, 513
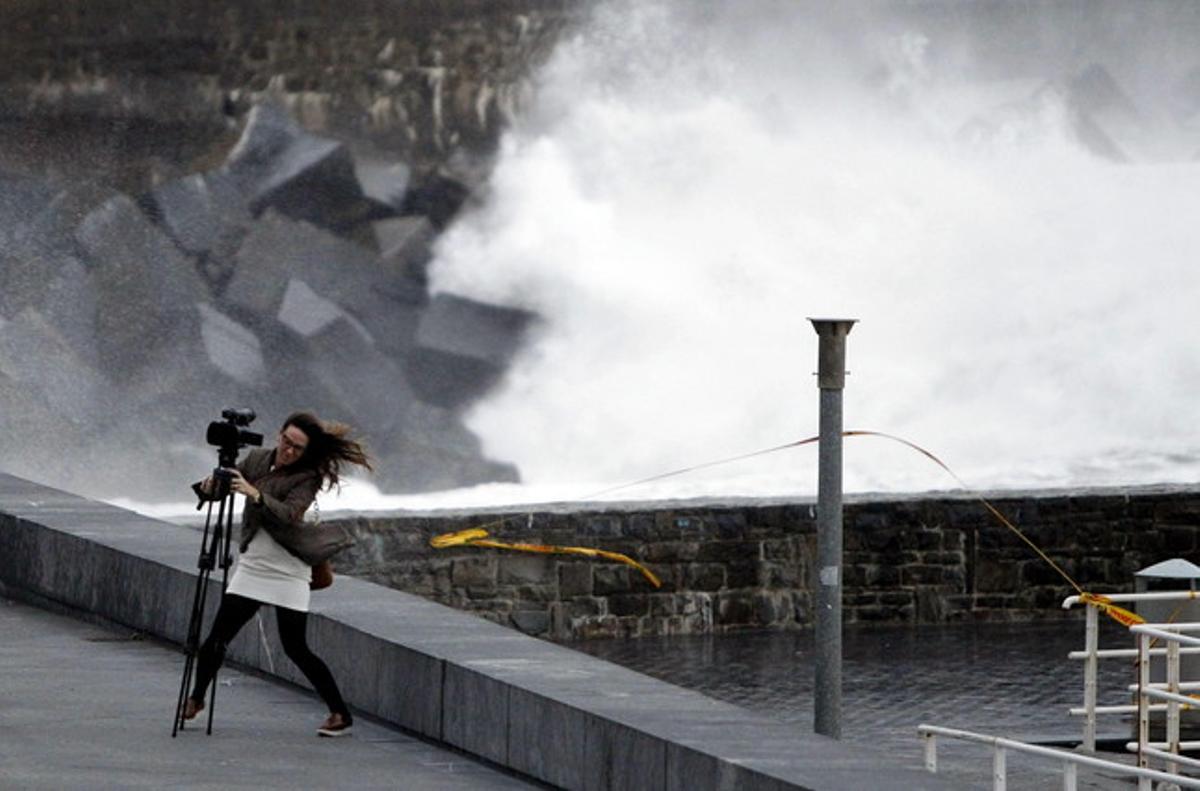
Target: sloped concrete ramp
540, 709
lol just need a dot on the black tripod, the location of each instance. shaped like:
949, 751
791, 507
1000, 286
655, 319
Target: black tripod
214, 548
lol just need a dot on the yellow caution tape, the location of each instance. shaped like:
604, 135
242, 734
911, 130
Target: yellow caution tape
457, 539
477, 537
1105, 605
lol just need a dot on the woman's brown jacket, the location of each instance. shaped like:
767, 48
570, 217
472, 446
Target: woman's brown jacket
286, 495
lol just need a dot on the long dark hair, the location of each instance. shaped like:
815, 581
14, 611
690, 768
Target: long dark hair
329, 446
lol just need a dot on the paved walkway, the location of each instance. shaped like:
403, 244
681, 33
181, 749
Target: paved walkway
82, 707
1010, 680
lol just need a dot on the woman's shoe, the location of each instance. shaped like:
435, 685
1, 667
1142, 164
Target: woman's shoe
336, 725
192, 707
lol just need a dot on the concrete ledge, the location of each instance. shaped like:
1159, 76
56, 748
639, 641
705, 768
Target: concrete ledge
541, 709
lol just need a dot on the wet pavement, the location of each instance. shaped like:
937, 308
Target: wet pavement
83, 706
87, 707
1012, 680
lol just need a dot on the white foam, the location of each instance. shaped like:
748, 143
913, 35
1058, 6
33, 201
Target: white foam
684, 198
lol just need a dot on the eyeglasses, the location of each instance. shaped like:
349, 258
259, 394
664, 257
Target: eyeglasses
286, 441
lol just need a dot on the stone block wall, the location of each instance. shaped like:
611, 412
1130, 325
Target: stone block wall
750, 565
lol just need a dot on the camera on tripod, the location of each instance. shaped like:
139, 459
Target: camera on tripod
230, 435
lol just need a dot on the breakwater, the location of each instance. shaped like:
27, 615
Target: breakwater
155, 94
146, 161
728, 566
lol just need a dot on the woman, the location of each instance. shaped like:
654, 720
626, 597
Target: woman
279, 486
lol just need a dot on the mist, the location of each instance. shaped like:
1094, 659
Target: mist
697, 179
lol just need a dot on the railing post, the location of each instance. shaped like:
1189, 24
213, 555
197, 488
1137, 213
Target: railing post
1070, 776
999, 769
1143, 669
930, 752
1090, 672
831, 378
1172, 705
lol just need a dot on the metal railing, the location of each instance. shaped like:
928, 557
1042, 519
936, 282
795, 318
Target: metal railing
1069, 760
1092, 654
1165, 697
1177, 641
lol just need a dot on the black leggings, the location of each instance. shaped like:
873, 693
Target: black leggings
235, 611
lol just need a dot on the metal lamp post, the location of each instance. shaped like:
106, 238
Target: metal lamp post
831, 378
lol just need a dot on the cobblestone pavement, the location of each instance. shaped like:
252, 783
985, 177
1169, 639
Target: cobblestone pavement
1011, 680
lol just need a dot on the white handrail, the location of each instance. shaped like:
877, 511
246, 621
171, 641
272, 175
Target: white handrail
1162, 694
1187, 746
1177, 643
1175, 647
1071, 601
1185, 626
1127, 708
1000, 744
1161, 685
1170, 635
1168, 751
1126, 653
1156, 749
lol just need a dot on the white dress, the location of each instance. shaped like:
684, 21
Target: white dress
268, 573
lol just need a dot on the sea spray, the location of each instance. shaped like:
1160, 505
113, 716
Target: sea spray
684, 197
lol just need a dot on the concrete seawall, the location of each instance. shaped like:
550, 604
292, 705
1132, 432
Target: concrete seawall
540, 709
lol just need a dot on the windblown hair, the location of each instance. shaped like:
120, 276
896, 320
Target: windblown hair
329, 447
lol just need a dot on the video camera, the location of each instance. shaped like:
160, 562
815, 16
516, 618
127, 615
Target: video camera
230, 435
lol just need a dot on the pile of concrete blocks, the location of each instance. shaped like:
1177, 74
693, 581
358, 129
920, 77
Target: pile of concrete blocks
290, 277
1093, 108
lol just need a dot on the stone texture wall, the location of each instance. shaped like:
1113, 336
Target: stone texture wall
728, 567
157, 89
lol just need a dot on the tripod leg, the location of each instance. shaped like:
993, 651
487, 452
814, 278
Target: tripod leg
225, 528
192, 646
196, 620
212, 705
